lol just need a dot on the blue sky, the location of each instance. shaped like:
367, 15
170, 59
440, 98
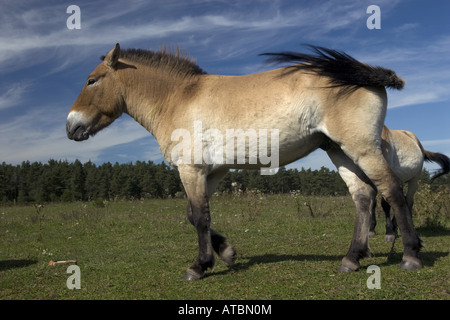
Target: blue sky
43, 64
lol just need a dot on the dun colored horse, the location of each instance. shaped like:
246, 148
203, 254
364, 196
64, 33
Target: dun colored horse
405, 155
206, 124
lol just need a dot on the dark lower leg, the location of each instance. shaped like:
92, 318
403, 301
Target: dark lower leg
387, 183
201, 219
222, 248
373, 221
410, 239
218, 242
359, 247
390, 227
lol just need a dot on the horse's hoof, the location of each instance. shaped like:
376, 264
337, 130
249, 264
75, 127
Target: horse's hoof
389, 238
410, 263
344, 269
228, 255
348, 266
372, 234
192, 275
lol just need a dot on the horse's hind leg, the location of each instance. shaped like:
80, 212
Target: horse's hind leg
389, 185
390, 228
391, 224
372, 163
373, 221
413, 185
364, 195
356, 127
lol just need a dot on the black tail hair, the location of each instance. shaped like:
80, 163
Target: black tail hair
440, 159
343, 70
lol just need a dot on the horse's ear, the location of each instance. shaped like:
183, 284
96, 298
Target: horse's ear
112, 57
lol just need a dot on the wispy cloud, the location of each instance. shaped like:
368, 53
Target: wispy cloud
419, 94
13, 95
441, 142
422, 68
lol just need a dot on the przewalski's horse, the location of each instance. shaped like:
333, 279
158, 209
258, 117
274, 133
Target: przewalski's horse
329, 97
405, 154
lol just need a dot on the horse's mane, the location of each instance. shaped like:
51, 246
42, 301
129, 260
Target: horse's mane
174, 62
343, 70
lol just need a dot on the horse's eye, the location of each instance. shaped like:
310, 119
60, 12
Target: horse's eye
90, 82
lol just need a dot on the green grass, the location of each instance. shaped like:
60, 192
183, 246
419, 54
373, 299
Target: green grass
287, 248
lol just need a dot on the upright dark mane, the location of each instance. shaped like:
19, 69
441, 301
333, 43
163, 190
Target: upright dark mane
342, 69
174, 62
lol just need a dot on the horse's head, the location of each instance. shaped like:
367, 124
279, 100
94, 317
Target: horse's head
100, 101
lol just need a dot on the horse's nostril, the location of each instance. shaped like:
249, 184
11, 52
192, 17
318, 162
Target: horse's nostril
76, 132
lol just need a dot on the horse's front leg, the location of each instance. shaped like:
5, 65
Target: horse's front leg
219, 242
201, 220
194, 182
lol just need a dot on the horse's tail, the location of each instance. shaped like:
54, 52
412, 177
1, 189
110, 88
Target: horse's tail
440, 159
342, 69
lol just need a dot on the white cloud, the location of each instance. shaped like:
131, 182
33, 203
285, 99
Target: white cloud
445, 142
422, 69
418, 94
13, 95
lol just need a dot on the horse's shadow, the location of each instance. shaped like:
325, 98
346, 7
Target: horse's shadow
433, 231
274, 258
246, 262
15, 263
392, 258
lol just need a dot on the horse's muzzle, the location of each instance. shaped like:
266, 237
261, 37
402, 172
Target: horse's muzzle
76, 129
79, 134
76, 132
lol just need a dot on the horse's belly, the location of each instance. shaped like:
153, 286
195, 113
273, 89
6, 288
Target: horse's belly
298, 148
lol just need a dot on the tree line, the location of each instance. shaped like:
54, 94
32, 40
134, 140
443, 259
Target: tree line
63, 181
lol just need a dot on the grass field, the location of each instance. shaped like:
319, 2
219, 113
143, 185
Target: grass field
288, 247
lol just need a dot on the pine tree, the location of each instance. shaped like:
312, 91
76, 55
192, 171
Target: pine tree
78, 181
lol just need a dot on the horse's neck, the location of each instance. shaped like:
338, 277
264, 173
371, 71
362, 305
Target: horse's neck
149, 96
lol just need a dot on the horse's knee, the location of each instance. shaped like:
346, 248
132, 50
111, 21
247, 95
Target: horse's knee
199, 218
